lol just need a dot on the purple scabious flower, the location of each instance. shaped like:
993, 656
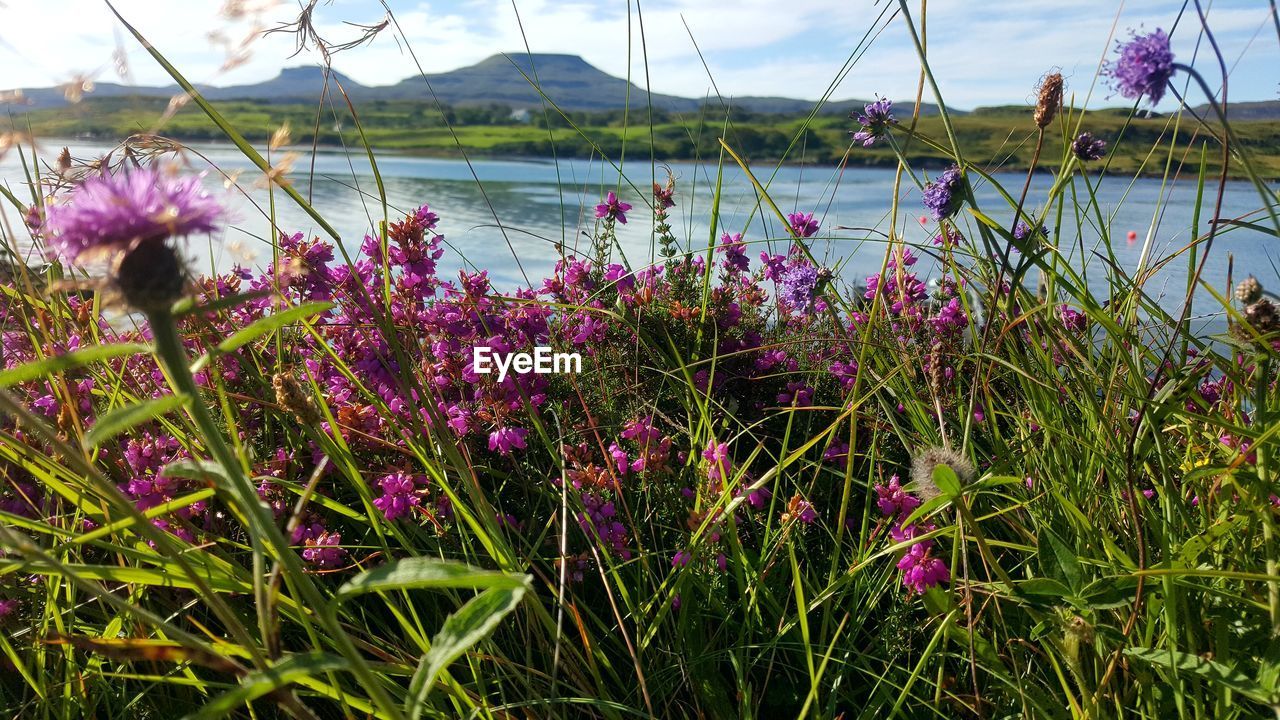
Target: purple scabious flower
613, 209
802, 224
799, 286
1087, 148
1144, 66
875, 120
1023, 231
117, 211
942, 195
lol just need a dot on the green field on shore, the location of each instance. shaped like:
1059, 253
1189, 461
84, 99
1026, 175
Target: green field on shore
996, 137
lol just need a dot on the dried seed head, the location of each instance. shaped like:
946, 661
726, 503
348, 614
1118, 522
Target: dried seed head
291, 397
1050, 99
1249, 290
1263, 316
923, 464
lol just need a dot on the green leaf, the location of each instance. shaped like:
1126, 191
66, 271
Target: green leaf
76, 358
271, 323
1211, 671
1057, 560
946, 480
420, 573
122, 418
264, 682
459, 633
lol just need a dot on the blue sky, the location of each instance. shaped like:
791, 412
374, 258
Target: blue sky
982, 51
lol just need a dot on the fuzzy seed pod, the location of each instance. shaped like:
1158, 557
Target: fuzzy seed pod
1050, 99
1249, 290
923, 464
290, 396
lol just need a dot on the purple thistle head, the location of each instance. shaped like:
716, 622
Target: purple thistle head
117, 211
1144, 66
875, 120
612, 208
1087, 148
942, 196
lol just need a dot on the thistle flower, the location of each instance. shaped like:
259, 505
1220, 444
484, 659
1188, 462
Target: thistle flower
1049, 100
131, 216
612, 208
942, 196
1087, 148
1144, 66
875, 120
923, 465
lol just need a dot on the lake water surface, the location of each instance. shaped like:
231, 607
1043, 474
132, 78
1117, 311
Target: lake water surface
510, 217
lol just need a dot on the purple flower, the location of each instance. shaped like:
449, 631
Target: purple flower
504, 439
8, 607
875, 120
117, 211
612, 208
942, 196
894, 501
799, 286
735, 253
721, 465
1144, 66
1073, 320
399, 495
324, 551
802, 224
921, 570
1086, 147
1023, 231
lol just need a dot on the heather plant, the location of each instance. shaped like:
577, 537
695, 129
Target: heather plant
935, 491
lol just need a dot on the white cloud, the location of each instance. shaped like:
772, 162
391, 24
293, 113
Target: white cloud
756, 47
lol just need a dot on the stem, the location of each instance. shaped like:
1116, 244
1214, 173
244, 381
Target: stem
1262, 373
262, 525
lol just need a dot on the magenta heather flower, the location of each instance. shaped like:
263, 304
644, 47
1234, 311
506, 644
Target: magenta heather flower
721, 465
921, 569
504, 439
1073, 320
735, 253
1087, 148
943, 195
894, 501
1144, 66
117, 211
802, 224
875, 120
613, 209
324, 551
399, 495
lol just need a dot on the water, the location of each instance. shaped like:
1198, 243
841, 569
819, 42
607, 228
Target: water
514, 219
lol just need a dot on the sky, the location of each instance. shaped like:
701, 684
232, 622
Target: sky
983, 52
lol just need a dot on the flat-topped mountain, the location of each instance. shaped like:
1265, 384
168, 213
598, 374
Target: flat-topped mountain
504, 79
